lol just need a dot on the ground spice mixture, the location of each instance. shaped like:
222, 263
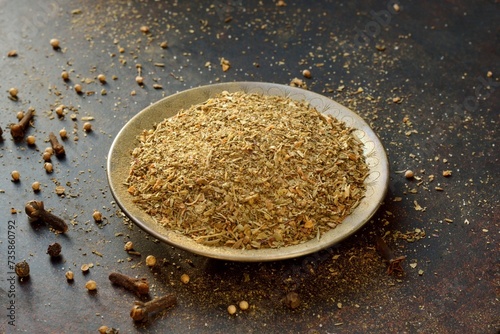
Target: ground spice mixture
248, 171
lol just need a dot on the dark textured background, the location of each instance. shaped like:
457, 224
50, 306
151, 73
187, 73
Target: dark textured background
433, 55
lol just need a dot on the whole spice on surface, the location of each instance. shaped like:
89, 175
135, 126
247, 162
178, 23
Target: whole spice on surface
91, 285
108, 330
18, 130
22, 269
140, 311
35, 186
138, 285
97, 216
30, 140
231, 309
129, 245
409, 174
248, 171
56, 146
54, 42
140, 80
393, 262
243, 305
36, 211
87, 126
101, 78
78, 89
69, 275
65, 75
15, 175
49, 168
63, 133
60, 111
185, 278
54, 249
13, 92
150, 260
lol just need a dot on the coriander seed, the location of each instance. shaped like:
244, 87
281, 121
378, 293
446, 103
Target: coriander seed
49, 168
60, 111
16, 176
97, 216
243, 305
30, 140
306, 74
46, 156
150, 260
101, 78
409, 174
87, 127
103, 329
36, 211
85, 268
13, 92
55, 43
185, 278
20, 115
35, 186
145, 29
128, 246
69, 275
63, 133
91, 285
139, 79
65, 75
164, 45
231, 309
78, 88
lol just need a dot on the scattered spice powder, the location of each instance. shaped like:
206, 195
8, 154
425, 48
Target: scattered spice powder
248, 171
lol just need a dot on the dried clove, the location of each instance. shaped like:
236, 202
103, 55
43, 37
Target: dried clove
139, 286
36, 211
18, 130
140, 311
393, 262
56, 146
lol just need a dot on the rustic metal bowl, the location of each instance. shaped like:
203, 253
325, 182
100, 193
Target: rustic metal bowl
126, 140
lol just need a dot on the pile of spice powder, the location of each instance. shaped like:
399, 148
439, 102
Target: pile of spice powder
248, 171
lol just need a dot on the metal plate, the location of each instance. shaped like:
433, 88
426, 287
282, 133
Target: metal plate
120, 156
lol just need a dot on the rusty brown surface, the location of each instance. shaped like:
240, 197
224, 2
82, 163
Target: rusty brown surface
425, 90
